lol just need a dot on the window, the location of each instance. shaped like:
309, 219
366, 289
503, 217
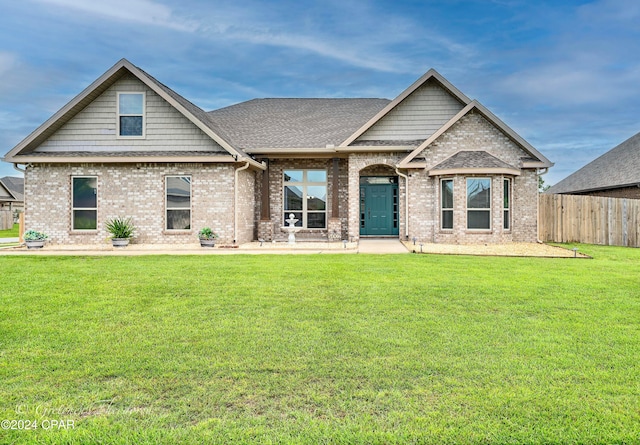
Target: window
446, 203
479, 203
84, 203
305, 195
506, 206
178, 192
131, 114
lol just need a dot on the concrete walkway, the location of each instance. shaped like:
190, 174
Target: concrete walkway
364, 246
381, 245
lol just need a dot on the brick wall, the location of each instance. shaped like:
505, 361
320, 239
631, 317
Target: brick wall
138, 191
273, 229
472, 132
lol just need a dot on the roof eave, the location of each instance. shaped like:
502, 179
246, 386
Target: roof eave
597, 189
25, 159
475, 171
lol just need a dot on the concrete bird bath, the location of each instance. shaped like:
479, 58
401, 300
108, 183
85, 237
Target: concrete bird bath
291, 228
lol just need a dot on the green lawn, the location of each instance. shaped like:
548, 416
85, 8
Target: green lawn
322, 349
11, 233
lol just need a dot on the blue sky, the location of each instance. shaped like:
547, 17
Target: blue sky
565, 75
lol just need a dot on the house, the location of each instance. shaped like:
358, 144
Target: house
430, 164
615, 174
12, 195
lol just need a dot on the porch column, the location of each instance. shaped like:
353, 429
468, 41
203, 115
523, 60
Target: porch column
335, 224
265, 225
335, 195
265, 207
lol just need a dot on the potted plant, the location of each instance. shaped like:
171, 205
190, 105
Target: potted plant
121, 230
207, 237
34, 239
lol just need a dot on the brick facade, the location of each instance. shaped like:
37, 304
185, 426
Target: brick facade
138, 191
269, 230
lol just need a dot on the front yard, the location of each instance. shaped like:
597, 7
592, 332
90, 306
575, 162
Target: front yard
321, 349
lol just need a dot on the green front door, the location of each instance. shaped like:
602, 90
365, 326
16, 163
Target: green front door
379, 206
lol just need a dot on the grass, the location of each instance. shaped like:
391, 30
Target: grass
10, 233
322, 349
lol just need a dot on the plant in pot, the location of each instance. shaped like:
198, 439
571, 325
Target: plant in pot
121, 230
207, 237
34, 239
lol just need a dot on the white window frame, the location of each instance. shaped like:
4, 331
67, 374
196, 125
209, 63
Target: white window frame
506, 210
73, 209
303, 185
144, 115
480, 209
167, 208
447, 209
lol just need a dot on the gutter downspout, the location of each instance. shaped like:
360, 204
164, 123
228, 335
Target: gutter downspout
235, 200
18, 168
406, 202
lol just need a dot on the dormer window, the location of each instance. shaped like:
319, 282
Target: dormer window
131, 115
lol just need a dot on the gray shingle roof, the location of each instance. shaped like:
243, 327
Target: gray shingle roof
15, 186
293, 123
618, 167
472, 159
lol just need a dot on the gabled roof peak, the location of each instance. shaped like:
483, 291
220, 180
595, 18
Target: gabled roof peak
432, 74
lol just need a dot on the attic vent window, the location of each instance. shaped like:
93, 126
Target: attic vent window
131, 115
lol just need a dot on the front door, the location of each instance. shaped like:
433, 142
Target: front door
379, 206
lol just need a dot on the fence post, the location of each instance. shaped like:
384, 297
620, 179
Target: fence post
21, 227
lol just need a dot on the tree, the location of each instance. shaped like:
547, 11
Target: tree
541, 187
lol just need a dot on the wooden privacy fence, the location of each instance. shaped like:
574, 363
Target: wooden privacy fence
589, 219
6, 219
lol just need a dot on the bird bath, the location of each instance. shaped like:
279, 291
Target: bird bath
291, 228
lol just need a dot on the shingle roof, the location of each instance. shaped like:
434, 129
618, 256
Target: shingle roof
293, 123
616, 168
472, 159
15, 185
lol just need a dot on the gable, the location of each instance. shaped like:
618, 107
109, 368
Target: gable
476, 128
93, 129
4, 193
416, 117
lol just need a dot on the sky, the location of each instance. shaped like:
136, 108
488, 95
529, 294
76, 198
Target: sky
565, 75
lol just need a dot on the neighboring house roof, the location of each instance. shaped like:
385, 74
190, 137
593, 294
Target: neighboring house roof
294, 123
473, 162
14, 186
617, 168
192, 112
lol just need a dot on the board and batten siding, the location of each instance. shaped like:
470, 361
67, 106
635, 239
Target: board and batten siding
94, 128
417, 117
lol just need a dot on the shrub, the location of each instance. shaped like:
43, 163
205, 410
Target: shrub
34, 235
120, 227
207, 233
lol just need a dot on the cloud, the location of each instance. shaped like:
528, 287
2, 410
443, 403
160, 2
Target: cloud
145, 12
